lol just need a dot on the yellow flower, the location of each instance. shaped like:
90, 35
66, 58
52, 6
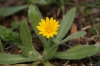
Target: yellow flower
48, 27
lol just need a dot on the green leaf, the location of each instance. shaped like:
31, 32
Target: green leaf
26, 51
66, 23
35, 17
78, 52
51, 52
8, 35
1, 46
56, 41
3, 30
42, 2
73, 36
47, 63
7, 11
13, 58
36, 63
25, 35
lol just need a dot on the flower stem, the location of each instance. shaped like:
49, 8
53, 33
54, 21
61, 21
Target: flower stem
49, 43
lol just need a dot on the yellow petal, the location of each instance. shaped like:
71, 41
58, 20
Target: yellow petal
48, 27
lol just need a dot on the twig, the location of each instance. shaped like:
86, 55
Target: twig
66, 63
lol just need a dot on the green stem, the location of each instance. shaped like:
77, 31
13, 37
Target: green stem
49, 43
1, 47
47, 48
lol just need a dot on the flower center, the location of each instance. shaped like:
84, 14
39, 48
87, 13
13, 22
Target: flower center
49, 29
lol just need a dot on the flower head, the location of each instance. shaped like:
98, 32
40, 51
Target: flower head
48, 27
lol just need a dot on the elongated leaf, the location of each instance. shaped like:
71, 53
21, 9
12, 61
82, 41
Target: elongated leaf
75, 35
25, 35
78, 52
42, 2
12, 59
51, 52
47, 63
26, 51
6, 11
36, 63
66, 23
55, 40
35, 17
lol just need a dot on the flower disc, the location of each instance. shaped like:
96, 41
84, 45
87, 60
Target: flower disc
48, 27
